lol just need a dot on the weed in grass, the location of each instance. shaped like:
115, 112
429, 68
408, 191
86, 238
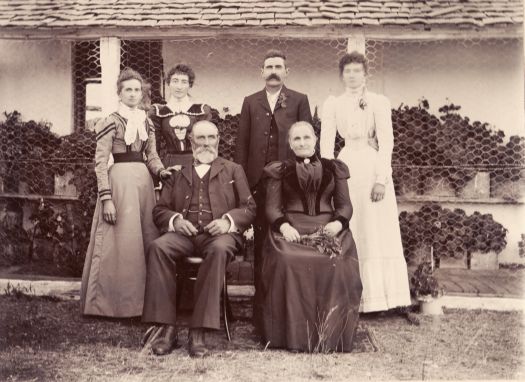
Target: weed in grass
321, 365
200, 367
325, 327
428, 356
18, 291
88, 349
322, 355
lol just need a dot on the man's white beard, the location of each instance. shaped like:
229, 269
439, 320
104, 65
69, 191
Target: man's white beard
205, 154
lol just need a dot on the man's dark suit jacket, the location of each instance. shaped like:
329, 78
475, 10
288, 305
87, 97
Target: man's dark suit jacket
228, 190
254, 129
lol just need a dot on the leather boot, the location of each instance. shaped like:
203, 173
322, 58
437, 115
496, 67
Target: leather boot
197, 344
166, 342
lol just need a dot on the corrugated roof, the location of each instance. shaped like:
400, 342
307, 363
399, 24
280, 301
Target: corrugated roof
49, 14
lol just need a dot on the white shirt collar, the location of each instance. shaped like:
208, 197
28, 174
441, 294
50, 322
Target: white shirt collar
359, 92
179, 106
272, 98
202, 169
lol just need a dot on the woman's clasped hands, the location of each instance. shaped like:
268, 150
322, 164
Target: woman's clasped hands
291, 235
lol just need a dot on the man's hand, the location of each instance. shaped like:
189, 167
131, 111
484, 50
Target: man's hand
109, 212
184, 227
218, 227
333, 228
378, 192
290, 233
165, 174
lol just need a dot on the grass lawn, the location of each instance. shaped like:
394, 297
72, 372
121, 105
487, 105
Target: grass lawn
44, 339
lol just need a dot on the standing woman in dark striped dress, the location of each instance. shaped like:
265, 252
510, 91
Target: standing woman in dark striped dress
114, 274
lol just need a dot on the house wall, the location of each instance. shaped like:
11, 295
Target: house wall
227, 70
484, 77
35, 79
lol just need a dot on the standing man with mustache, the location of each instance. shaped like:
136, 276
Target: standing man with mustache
266, 117
202, 211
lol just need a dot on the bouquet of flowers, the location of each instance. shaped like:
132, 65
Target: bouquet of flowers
324, 243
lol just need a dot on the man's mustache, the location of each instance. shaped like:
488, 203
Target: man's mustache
209, 149
273, 76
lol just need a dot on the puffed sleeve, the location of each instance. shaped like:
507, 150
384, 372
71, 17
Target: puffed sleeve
341, 197
340, 169
385, 139
153, 115
105, 130
328, 128
274, 200
206, 109
153, 161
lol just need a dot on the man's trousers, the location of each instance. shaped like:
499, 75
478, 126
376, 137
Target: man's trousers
160, 300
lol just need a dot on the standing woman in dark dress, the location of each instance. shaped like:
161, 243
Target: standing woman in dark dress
310, 300
114, 276
175, 119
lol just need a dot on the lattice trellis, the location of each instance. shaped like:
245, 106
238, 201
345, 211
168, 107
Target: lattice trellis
437, 154
146, 58
86, 67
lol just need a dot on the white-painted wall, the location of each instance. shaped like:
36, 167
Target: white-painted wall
227, 70
35, 79
484, 77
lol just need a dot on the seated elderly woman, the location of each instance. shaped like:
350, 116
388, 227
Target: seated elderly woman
311, 287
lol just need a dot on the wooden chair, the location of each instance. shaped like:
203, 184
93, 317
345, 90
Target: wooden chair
187, 271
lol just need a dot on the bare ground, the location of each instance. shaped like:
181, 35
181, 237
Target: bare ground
44, 339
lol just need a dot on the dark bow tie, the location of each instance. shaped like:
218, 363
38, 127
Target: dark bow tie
307, 160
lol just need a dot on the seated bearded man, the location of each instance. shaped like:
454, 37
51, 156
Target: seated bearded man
202, 211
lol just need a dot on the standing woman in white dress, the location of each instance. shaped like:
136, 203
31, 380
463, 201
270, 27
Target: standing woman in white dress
364, 120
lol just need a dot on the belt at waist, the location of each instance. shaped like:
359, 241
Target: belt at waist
359, 143
134, 156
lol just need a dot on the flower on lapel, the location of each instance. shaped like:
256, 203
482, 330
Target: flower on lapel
362, 103
282, 100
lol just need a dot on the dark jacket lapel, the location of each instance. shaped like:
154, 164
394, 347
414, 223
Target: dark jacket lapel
216, 167
285, 95
187, 173
263, 100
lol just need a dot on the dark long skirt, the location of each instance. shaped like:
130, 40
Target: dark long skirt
310, 302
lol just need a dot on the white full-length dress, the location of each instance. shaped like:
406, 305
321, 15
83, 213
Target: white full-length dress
362, 119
